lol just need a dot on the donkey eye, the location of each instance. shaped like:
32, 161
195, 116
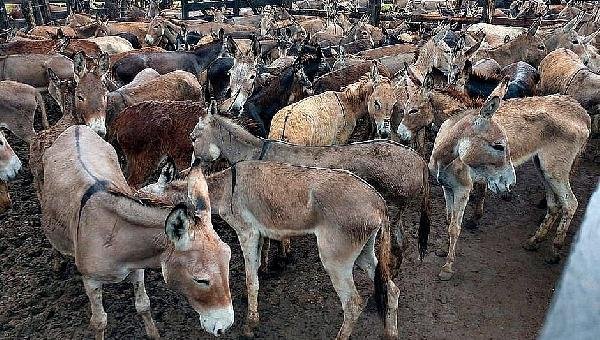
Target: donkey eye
377, 105
80, 97
202, 282
498, 147
413, 112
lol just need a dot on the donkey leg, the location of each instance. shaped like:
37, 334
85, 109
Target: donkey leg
251, 244
460, 200
338, 260
552, 212
142, 303
479, 190
367, 261
264, 255
442, 251
98, 321
568, 205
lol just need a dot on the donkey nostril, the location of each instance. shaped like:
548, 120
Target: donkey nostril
220, 331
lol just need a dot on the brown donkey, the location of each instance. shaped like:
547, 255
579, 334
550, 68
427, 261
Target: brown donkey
9, 167
397, 172
341, 210
83, 169
484, 146
330, 117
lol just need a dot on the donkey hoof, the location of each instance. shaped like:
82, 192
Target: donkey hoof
531, 245
445, 274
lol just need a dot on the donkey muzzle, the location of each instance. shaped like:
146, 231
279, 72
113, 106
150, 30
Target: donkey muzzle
217, 321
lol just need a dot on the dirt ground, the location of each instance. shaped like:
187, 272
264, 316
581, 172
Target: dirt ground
500, 291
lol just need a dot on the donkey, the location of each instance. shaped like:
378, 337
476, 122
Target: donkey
34, 46
397, 172
330, 117
485, 145
563, 72
32, 69
176, 85
322, 202
178, 239
194, 62
18, 103
79, 105
527, 47
9, 167
274, 93
147, 132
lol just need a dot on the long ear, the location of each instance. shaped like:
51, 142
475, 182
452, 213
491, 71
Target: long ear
79, 64
221, 34
375, 72
59, 34
213, 108
168, 170
197, 190
490, 107
103, 64
428, 82
231, 46
589, 38
255, 46
177, 226
52, 76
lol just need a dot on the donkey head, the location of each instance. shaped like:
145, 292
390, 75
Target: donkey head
242, 74
91, 91
9, 162
202, 137
197, 265
416, 107
482, 146
156, 31
380, 103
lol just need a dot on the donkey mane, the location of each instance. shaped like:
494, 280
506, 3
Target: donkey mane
462, 97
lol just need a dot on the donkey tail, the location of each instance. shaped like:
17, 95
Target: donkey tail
384, 272
40, 103
424, 220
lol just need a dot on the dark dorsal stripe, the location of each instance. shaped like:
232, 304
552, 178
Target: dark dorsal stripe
233, 183
266, 144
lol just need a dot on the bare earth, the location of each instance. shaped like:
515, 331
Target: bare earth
500, 291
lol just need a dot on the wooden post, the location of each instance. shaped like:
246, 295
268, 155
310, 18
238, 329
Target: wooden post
488, 11
374, 11
236, 7
45, 11
27, 11
185, 14
3, 16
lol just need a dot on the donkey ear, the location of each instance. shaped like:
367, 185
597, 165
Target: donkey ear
103, 63
221, 34
59, 34
213, 108
52, 76
490, 107
255, 46
534, 27
375, 73
79, 64
177, 226
506, 38
231, 45
428, 82
168, 170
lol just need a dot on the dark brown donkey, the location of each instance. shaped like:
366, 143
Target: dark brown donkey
85, 201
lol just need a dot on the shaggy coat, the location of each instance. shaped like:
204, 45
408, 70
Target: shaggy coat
338, 79
148, 132
563, 72
175, 86
330, 117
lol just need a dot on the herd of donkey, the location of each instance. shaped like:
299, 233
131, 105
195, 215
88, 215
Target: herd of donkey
279, 97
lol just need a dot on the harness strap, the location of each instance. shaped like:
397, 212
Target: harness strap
571, 79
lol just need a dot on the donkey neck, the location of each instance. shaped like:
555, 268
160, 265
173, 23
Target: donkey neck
220, 190
354, 99
235, 142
